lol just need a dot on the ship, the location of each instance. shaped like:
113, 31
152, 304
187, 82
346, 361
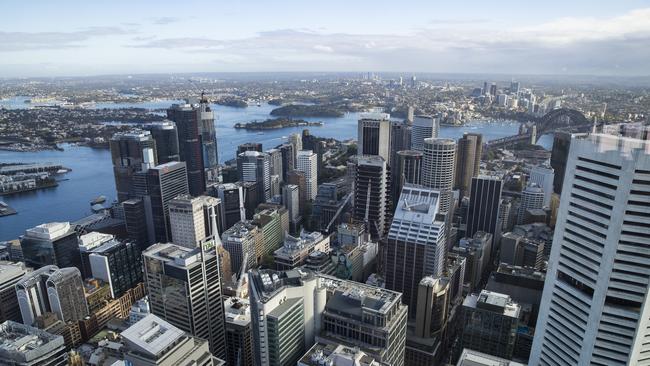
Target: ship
98, 200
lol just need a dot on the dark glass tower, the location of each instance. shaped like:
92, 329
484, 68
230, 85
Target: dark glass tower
129, 151
372, 203
164, 183
165, 135
197, 140
559, 156
408, 165
483, 211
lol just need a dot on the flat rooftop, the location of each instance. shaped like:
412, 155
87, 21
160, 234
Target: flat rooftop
22, 342
151, 335
494, 302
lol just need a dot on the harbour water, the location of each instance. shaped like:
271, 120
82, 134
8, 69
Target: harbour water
92, 173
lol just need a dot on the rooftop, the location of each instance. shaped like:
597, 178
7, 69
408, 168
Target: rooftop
151, 335
176, 254
493, 302
237, 311
294, 244
10, 271
93, 240
321, 354
474, 358
20, 342
48, 231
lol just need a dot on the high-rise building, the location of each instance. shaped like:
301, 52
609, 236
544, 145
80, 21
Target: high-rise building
232, 204
468, 160
193, 219
10, 274
51, 290
254, 166
295, 140
298, 179
493, 89
249, 146
291, 200
165, 135
400, 138
477, 250
275, 167
483, 210
23, 345
197, 141
54, 243
489, 323
543, 176
375, 135
424, 127
407, 169
559, 157
288, 159
298, 308
118, 263
251, 198
164, 183
131, 152
242, 241
154, 342
307, 163
274, 223
184, 288
532, 197
372, 195
438, 168
415, 245
87, 243
597, 276
239, 336
327, 208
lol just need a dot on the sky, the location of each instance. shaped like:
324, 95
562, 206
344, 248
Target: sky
558, 37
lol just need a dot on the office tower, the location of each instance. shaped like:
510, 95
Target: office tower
272, 223
295, 250
197, 142
559, 157
288, 159
470, 357
518, 250
298, 308
118, 263
514, 87
372, 195
295, 140
88, 242
313, 143
249, 146
232, 204
543, 176
254, 166
489, 323
327, 208
506, 214
468, 160
374, 134
433, 299
139, 227
415, 246
184, 288
165, 135
350, 234
532, 197
131, 152
23, 345
10, 274
275, 166
413, 81
251, 200
239, 336
291, 200
297, 178
493, 89
596, 272
54, 243
477, 251
307, 163
242, 241
410, 113
407, 170
483, 210
194, 219
154, 342
51, 290
164, 183
424, 127
438, 168
400, 138
485, 88
337, 355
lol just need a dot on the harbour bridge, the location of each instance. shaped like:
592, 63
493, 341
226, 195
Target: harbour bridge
561, 119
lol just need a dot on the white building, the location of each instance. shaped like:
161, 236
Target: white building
424, 127
308, 163
543, 176
438, 168
191, 218
532, 197
595, 308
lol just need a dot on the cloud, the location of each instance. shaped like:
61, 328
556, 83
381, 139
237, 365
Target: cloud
165, 20
24, 41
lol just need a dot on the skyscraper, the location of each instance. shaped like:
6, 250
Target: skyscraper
239, 337
184, 288
372, 195
197, 140
295, 140
424, 127
307, 163
291, 200
165, 135
559, 157
374, 134
254, 166
400, 138
543, 176
415, 245
164, 183
297, 178
51, 290
597, 276
242, 241
249, 146
191, 219
118, 263
54, 243
288, 160
532, 197
232, 204
275, 166
407, 169
131, 152
468, 160
10, 273
483, 210
438, 168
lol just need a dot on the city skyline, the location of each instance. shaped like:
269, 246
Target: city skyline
577, 38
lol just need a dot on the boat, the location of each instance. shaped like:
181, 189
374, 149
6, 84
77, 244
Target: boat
98, 200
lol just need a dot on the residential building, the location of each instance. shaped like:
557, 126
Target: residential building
532, 197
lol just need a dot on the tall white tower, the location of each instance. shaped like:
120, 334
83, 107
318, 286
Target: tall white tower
424, 127
595, 308
308, 163
438, 168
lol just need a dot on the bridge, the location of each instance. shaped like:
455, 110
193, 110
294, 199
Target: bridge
562, 119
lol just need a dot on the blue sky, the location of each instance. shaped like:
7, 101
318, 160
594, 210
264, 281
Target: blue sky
52, 38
